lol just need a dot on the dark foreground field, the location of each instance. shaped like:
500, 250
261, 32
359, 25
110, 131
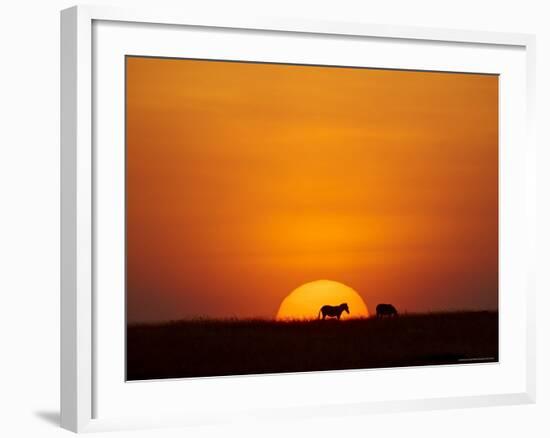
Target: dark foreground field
226, 347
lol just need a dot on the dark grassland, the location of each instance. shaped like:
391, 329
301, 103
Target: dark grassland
198, 348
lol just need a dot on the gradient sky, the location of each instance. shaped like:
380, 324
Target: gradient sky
246, 180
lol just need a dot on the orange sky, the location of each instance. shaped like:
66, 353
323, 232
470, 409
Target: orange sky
246, 180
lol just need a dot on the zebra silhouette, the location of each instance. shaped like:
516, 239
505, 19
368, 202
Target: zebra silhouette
383, 310
333, 311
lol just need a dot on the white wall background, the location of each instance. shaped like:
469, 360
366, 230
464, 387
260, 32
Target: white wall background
29, 215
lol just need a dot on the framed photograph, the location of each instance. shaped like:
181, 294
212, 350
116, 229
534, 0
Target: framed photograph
283, 218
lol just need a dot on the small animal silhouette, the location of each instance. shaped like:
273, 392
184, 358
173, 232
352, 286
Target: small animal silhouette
385, 310
334, 311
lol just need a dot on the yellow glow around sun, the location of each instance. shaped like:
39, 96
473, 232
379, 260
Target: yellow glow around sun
305, 301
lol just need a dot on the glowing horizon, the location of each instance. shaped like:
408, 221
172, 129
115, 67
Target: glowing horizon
245, 181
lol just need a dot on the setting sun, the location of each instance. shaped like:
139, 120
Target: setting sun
305, 301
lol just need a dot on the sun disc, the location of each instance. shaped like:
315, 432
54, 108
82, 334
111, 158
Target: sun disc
306, 301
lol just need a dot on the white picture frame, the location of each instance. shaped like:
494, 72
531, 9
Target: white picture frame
86, 378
